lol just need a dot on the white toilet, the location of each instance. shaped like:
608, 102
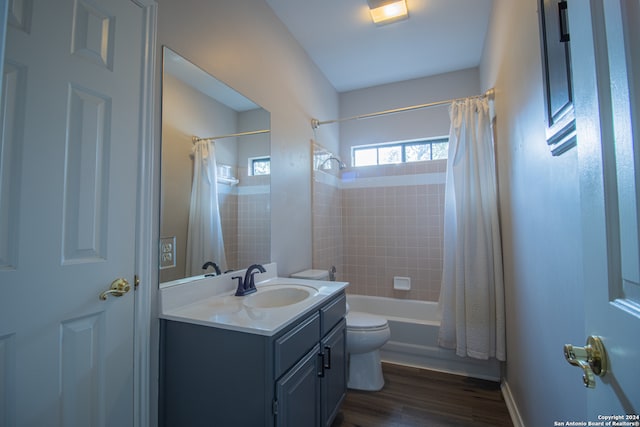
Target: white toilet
366, 333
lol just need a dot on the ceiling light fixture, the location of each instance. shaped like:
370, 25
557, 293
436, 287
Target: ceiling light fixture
387, 11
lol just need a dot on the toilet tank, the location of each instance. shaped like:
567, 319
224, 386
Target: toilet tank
312, 274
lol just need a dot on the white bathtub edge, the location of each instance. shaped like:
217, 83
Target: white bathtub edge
424, 357
413, 339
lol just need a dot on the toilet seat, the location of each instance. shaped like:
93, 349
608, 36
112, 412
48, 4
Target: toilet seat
358, 321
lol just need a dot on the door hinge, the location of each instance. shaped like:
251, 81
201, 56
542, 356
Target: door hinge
275, 407
136, 282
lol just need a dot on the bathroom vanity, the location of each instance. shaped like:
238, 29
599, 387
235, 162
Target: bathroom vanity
255, 363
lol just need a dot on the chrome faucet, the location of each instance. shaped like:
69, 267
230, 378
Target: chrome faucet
215, 267
341, 164
332, 273
248, 285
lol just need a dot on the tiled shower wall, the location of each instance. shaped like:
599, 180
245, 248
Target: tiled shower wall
254, 229
254, 219
228, 204
246, 224
327, 223
391, 225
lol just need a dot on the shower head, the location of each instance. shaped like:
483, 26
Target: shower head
341, 164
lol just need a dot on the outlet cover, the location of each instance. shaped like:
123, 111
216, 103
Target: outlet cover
167, 252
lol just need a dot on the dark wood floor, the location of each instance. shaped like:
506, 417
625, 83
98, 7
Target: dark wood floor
416, 397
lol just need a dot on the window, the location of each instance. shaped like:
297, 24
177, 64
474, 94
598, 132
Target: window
400, 152
259, 166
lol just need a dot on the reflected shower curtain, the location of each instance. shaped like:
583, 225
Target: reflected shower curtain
472, 291
204, 234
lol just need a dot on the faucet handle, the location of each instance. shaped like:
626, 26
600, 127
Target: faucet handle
240, 289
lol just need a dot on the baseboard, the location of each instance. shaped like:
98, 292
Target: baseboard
516, 419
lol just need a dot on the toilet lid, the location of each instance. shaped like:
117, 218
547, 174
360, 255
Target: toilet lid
359, 320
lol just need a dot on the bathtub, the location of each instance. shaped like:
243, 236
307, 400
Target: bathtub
414, 337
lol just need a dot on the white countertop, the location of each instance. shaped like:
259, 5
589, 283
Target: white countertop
211, 302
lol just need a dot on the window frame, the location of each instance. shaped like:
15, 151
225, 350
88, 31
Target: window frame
252, 161
403, 146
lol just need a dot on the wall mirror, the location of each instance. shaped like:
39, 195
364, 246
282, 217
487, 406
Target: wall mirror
215, 180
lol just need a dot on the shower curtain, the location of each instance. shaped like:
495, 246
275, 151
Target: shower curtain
204, 234
472, 291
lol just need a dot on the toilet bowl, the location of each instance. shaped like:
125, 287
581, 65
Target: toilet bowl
366, 333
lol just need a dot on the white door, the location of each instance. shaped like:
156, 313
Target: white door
607, 94
68, 181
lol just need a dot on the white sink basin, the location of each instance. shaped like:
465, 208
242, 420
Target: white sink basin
211, 301
272, 296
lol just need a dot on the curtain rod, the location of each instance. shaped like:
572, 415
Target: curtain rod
195, 139
315, 123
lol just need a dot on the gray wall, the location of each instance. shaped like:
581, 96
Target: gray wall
540, 208
243, 44
423, 123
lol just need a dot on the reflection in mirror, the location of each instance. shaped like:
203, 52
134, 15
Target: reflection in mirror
215, 185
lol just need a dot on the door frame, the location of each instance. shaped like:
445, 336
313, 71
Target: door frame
146, 225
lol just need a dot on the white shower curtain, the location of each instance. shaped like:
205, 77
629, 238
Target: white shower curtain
204, 234
472, 292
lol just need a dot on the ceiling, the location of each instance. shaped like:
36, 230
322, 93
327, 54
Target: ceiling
353, 53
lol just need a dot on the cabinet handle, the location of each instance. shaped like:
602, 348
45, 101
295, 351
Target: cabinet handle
321, 371
562, 15
328, 364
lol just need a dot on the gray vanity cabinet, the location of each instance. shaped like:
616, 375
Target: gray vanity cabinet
298, 393
332, 385
217, 377
321, 373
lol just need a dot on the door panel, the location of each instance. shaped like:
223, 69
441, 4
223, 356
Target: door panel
12, 113
68, 191
623, 43
607, 93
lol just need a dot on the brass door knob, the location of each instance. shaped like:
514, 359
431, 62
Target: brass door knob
592, 359
118, 288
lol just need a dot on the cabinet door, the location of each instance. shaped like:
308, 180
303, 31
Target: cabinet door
334, 383
298, 392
